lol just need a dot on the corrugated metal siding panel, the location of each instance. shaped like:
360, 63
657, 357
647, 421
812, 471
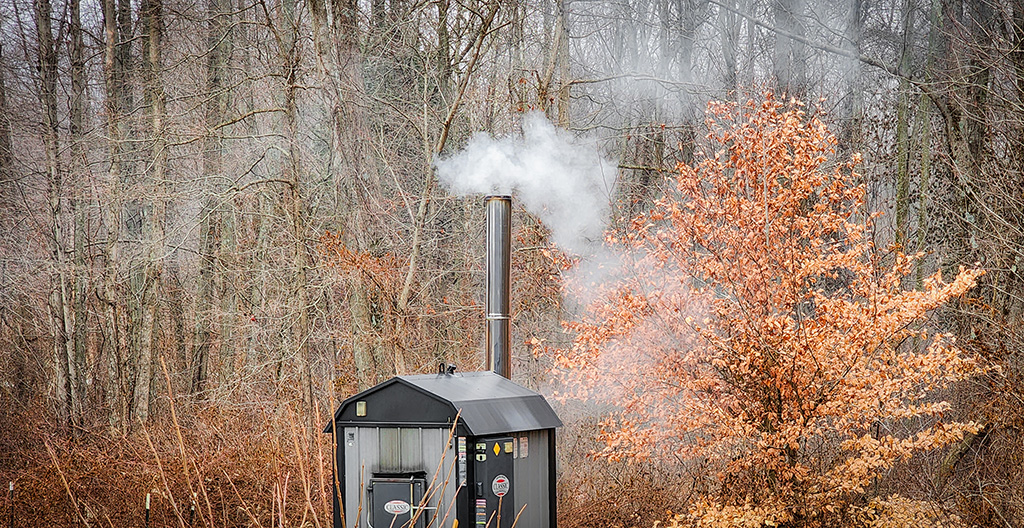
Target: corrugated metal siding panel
398, 450
360, 454
390, 449
413, 450
437, 452
531, 485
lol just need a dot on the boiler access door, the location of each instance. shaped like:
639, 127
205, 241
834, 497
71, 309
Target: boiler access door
493, 504
393, 502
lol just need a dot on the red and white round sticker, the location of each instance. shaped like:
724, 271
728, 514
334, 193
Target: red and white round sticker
500, 485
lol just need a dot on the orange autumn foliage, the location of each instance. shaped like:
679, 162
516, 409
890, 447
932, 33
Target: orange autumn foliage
756, 330
379, 271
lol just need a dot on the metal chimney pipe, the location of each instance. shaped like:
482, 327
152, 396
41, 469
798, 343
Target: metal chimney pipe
499, 269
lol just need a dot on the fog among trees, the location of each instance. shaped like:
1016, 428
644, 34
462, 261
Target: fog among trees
218, 219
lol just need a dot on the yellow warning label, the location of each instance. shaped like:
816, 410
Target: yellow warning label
508, 447
496, 449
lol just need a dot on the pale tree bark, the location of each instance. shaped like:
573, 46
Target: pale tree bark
242, 35
114, 341
564, 74
378, 15
730, 26
646, 144
60, 291
925, 123
518, 87
136, 367
210, 321
227, 291
790, 59
558, 61
1017, 60
690, 15
975, 119
152, 27
853, 100
134, 221
966, 126
444, 46
6, 154
80, 175
293, 204
903, 118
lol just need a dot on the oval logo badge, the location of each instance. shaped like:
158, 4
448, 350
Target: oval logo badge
500, 485
397, 507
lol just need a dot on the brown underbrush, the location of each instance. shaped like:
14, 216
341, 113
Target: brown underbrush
598, 492
215, 467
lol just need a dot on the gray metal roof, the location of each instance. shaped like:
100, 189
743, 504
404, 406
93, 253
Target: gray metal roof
486, 402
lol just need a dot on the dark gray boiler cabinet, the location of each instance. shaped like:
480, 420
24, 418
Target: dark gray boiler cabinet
399, 458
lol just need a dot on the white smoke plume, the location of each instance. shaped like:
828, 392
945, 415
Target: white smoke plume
563, 180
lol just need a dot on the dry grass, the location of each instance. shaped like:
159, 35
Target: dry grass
216, 467
596, 492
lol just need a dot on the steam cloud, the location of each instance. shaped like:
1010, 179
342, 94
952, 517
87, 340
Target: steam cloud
561, 179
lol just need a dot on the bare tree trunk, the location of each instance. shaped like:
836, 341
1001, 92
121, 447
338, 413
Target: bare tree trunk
6, 154
378, 15
690, 16
176, 312
790, 61
209, 320
562, 26
114, 339
903, 119
1017, 59
731, 24
133, 220
80, 176
294, 207
152, 26
853, 101
518, 87
967, 132
925, 119
225, 214
975, 124
60, 294
444, 46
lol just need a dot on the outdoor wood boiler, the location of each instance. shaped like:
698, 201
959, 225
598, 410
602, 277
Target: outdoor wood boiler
451, 449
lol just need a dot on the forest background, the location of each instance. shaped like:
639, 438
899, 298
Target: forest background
218, 218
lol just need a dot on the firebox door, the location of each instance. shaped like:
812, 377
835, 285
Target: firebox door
493, 504
393, 502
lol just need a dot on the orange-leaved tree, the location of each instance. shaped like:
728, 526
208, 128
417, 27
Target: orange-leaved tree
756, 330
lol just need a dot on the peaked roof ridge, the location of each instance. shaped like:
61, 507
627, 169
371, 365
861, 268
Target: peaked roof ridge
485, 402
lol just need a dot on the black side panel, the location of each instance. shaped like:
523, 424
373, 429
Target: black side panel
463, 498
492, 482
338, 484
552, 479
